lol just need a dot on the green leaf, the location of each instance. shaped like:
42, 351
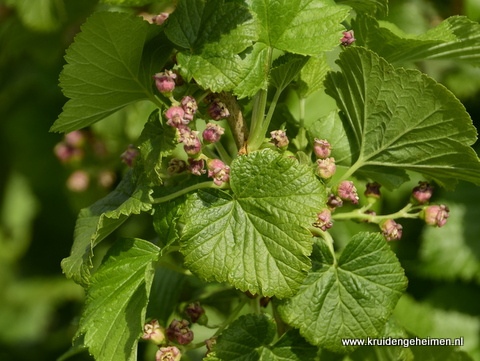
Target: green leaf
165, 220
156, 142
351, 299
286, 68
131, 2
117, 299
257, 238
312, 75
249, 338
403, 119
367, 6
456, 38
109, 66
99, 220
435, 353
305, 27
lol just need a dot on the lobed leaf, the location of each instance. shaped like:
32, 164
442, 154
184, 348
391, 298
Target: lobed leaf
257, 238
285, 69
249, 338
99, 220
351, 299
313, 75
109, 66
117, 297
403, 119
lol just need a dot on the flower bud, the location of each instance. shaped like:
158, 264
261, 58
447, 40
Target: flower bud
168, 354
176, 117
279, 138
209, 343
154, 332
326, 167
165, 81
180, 332
192, 144
176, 166
322, 148
347, 38
218, 171
129, 155
391, 230
373, 190
435, 215
67, 153
196, 166
347, 191
324, 221
160, 19
212, 133
422, 193
75, 139
106, 178
189, 105
194, 311
78, 181
218, 110
334, 201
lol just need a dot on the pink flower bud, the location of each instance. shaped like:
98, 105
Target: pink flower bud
160, 19
153, 332
326, 167
176, 166
212, 133
347, 191
391, 230
165, 81
422, 193
322, 148
334, 201
191, 143
78, 181
75, 139
67, 153
373, 190
195, 312
176, 117
168, 354
435, 215
347, 38
180, 332
324, 221
279, 138
196, 166
218, 171
218, 110
129, 155
106, 178
189, 105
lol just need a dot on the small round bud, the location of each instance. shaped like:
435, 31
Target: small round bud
75, 139
180, 332
67, 153
189, 105
347, 38
326, 167
170, 353
334, 201
106, 178
160, 18
212, 133
196, 166
422, 193
373, 190
279, 138
322, 148
194, 311
153, 332
129, 155
175, 116
176, 166
218, 171
165, 81
391, 230
192, 144
218, 110
324, 221
78, 181
435, 215
347, 191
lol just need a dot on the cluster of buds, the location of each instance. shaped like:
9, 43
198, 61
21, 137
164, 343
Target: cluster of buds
71, 148
165, 81
179, 332
279, 138
347, 38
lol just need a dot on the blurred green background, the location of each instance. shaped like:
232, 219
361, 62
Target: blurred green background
39, 307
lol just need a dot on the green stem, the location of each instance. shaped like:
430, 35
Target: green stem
223, 153
186, 190
327, 238
271, 109
302, 112
358, 164
358, 214
232, 316
208, 152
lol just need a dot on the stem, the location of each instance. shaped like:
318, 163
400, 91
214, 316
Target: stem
358, 214
301, 117
271, 109
223, 153
358, 164
208, 152
208, 184
232, 316
327, 238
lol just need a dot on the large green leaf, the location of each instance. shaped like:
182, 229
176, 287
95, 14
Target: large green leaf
403, 119
456, 38
249, 339
117, 299
257, 238
312, 75
349, 299
99, 220
367, 6
109, 66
